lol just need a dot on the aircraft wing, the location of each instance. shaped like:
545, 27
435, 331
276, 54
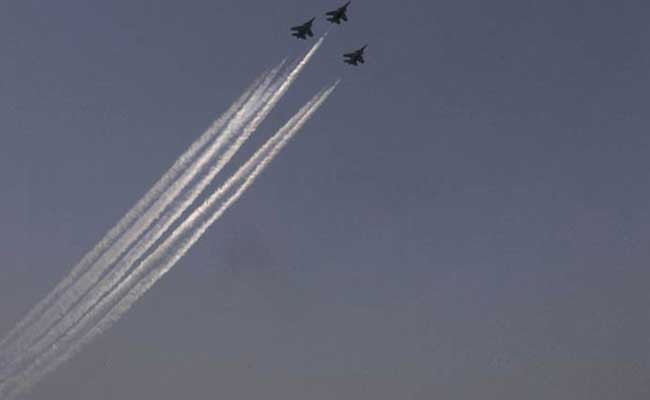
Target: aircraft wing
360, 59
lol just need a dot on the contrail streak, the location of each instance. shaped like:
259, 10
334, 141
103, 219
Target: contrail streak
60, 310
82, 307
167, 254
90, 298
138, 219
89, 258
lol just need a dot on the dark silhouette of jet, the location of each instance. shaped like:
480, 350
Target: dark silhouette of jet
355, 57
304, 30
337, 15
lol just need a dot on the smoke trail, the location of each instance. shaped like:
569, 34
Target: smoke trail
89, 258
170, 251
114, 240
17, 352
91, 297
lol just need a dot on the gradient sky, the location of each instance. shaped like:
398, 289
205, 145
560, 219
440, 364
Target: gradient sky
466, 217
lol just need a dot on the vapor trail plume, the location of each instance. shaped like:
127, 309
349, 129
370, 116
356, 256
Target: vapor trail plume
20, 350
165, 256
117, 240
71, 313
126, 220
67, 318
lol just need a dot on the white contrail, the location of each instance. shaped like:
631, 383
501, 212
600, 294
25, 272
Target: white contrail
21, 350
138, 219
90, 298
171, 250
89, 258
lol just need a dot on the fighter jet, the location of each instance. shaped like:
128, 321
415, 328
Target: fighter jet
337, 15
304, 30
355, 57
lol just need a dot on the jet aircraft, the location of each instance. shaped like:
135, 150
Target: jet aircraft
355, 57
337, 15
304, 30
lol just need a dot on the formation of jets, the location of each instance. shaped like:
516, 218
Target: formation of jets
335, 17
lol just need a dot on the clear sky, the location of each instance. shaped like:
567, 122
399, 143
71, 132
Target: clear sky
466, 217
